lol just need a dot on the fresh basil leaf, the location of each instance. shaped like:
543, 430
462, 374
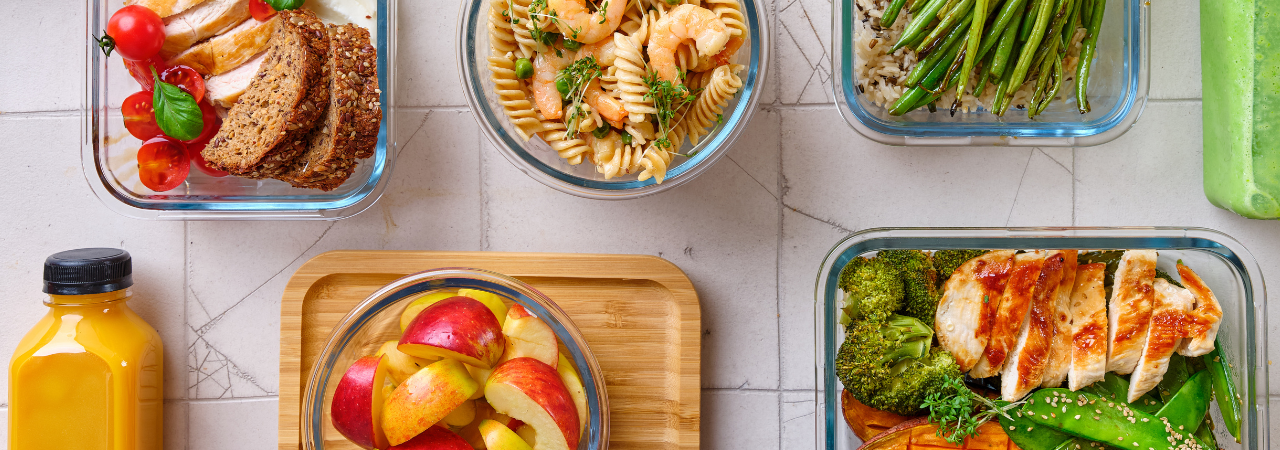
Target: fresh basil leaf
281, 5
177, 113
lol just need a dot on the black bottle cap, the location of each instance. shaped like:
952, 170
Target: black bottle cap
88, 271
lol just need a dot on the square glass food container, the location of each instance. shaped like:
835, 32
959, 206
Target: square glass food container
1118, 86
1226, 266
109, 152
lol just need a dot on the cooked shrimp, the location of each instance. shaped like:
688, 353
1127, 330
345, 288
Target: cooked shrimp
603, 52
545, 94
581, 24
685, 23
608, 107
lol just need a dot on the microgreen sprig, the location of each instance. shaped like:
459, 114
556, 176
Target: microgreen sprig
958, 412
668, 98
578, 76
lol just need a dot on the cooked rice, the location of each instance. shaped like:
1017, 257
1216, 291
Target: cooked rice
878, 72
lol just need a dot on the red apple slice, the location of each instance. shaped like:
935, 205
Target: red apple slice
530, 391
459, 328
435, 438
426, 398
357, 407
573, 382
498, 437
493, 301
419, 304
528, 336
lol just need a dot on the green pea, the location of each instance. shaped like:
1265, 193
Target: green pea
626, 138
562, 85
601, 132
570, 44
524, 68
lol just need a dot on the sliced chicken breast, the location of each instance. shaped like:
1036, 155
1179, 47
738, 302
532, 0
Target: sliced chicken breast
223, 90
1060, 345
228, 50
1202, 324
207, 20
968, 298
1026, 364
1164, 335
1129, 310
1008, 319
1088, 327
165, 8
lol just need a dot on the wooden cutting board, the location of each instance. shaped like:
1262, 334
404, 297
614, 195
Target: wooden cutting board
639, 314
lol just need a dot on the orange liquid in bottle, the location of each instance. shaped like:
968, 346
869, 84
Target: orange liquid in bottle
87, 377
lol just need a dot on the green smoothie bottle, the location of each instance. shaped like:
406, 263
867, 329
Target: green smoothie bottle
1240, 62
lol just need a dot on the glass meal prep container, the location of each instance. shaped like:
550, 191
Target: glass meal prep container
536, 159
109, 152
1118, 87
1224, 264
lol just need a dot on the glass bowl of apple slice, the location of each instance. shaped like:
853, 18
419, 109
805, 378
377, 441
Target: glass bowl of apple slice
455, 359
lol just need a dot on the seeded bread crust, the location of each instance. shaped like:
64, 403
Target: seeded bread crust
371, 98
253, 142
334, 143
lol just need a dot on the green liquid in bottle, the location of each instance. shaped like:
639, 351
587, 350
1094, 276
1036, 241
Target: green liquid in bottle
1241, 77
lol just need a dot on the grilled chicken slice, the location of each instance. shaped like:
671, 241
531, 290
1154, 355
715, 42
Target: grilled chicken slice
1060, 345
165, 8
1129, 310
1202, 323
204, 21
228, 50
968, 298
1006, 323
1025, 368
1164, 335
1088, 327
223, 90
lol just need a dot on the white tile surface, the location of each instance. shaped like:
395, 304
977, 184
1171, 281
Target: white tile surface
750, 233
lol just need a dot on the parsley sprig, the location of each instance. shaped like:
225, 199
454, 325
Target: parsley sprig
577, 76
958, 411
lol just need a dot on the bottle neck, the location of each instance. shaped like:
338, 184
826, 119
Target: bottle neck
89, 299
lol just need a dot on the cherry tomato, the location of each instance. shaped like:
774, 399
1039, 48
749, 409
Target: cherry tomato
137, 31
193, 151
186, 78
261, 10
211, 124
163, 163
140, 116
141, 70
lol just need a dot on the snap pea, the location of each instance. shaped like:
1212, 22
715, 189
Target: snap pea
1008, 40
1114, 388
1224, 390
1028, 435
1188, 407
1098, 419
952, 18
891, 13
1087, 50
1174, 377
1204, 434
918, 23
1028, 49
923, 67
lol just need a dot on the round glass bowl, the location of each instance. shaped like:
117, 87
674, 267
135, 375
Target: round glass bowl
377, 320
536, 159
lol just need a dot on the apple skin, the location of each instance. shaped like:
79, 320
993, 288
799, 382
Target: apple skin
426, 398
357, 406
531, 391
400, 366
419, 304
498, 437
493, 301
573, 382
529, 336
435, 438
458, 328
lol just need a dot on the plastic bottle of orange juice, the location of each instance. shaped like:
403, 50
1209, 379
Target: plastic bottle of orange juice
89, 375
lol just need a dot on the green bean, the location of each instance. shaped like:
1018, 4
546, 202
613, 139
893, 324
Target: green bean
1053, 75
947, 8
1072, 24
982, 82
952, 18
1028, 49
1008, 40
975, 37
1052, 42
929, 85
916, 5
891, 13
923, 67
1003, 96
1086, 13
1086, 55
918, 23
1011, 11
1033, 10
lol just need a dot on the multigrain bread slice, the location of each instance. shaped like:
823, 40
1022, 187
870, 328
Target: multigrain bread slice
350, 127
268, 126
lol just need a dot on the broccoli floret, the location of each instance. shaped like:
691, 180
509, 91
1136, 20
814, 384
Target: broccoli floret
847, 273
873, 290
920, 282
947, 261
887, 364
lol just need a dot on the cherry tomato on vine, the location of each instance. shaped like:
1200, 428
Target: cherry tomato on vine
137, 31
140, 116
163, 163
185, 78
140, 70
261, 10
